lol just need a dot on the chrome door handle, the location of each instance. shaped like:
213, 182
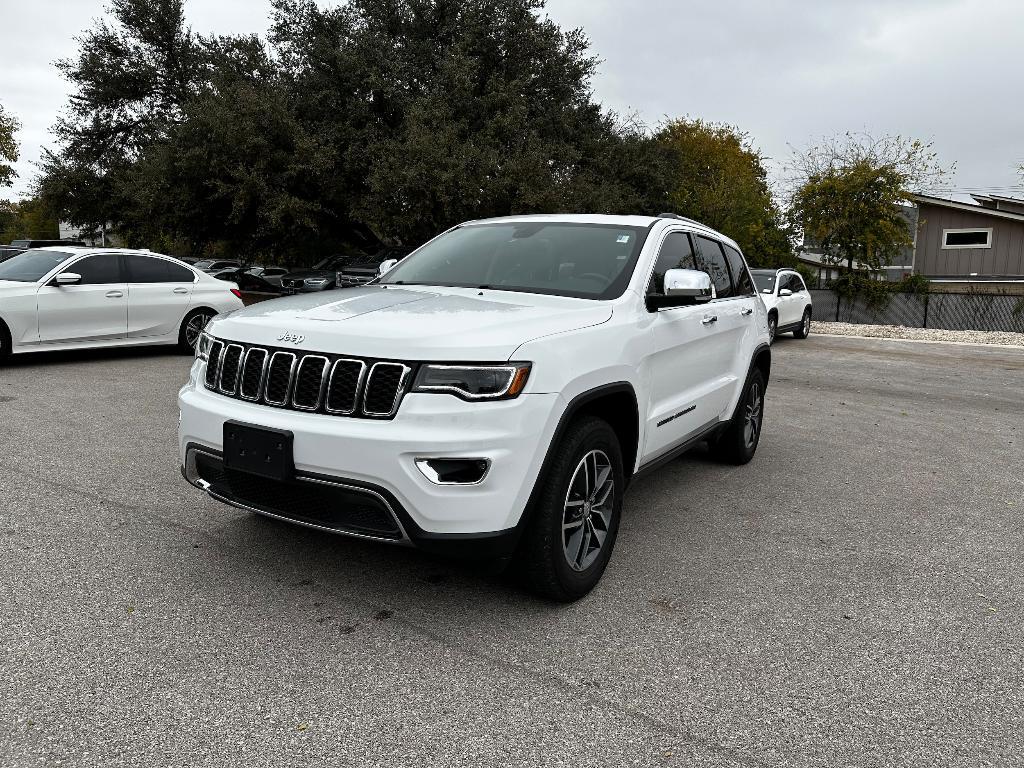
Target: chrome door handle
747, 311
709, 319
181, 290
114, 294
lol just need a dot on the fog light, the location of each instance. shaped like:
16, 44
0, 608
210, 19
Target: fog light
454, 471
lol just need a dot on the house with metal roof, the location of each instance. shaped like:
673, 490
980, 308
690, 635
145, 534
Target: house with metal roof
980, 241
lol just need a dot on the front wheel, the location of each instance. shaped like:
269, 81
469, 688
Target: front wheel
191, 328
773, 326
571, 536
805, 326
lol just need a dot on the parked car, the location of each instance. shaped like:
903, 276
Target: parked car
216, 265
272, 275
493, 394
247, 281
72, 298
26, 244
321, 276
364, 270
787, 300
339, 272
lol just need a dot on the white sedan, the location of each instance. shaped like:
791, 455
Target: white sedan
73, 298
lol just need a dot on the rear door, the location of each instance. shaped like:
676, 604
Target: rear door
159, 293
94, 309
728, 313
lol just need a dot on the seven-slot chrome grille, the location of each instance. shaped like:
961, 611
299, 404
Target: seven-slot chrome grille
333, 384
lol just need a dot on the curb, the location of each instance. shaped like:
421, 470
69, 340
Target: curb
1019, 347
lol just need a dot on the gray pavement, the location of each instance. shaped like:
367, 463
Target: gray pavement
851, 597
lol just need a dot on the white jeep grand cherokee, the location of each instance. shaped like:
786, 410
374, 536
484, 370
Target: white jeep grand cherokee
494, 393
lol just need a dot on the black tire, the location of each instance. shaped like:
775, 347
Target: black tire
543, 559
805, 326
5, 343
737, 444
773, 326
186, 341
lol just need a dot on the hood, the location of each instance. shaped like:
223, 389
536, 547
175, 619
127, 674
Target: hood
454, 324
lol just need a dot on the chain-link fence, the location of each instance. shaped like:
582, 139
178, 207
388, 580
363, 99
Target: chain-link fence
946, 311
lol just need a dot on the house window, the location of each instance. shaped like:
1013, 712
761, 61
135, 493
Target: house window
967, 238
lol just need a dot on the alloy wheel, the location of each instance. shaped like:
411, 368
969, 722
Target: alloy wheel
807, 324
194, 328
752, 415
588, 510
772, 324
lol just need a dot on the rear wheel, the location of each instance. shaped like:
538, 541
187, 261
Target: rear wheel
738, 443
576, 521
191, 328
805, 326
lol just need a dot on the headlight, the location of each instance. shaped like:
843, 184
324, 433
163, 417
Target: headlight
474, 382
203, 346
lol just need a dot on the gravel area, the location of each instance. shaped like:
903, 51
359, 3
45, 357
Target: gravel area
919, 334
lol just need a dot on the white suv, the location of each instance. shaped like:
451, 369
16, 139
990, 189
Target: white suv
494, 393
787, 300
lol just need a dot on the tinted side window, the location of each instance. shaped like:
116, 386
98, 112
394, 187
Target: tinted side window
796, 283
142, 269
100, 269
741, 283
179, 274
713, 262
676, 253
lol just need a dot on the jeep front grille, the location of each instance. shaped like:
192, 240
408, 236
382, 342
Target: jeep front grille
340, 386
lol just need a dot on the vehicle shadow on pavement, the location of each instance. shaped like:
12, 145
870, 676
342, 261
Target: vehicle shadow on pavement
374, 579
379, 577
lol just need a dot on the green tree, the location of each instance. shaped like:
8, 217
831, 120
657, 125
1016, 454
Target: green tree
435, 111
26, 219
719, 178
130, 79
847, 194
9, 126
853, 214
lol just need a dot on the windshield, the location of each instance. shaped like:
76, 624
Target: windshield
765, 281
203, 264
30, 266
589, 261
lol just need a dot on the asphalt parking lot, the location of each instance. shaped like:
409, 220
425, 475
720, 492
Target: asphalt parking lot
852, 597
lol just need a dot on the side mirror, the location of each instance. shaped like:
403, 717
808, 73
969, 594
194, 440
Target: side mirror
67, 278
386, 265
688, 283
785, 292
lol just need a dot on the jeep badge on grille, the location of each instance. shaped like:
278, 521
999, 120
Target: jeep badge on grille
293, 338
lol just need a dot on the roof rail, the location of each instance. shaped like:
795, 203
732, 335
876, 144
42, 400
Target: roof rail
678, 217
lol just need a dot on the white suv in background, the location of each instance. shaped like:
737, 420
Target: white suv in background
787, 300
494, 393
73, 297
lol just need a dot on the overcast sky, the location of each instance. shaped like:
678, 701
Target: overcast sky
788, 71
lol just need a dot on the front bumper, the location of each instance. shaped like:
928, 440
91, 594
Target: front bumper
378, 457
